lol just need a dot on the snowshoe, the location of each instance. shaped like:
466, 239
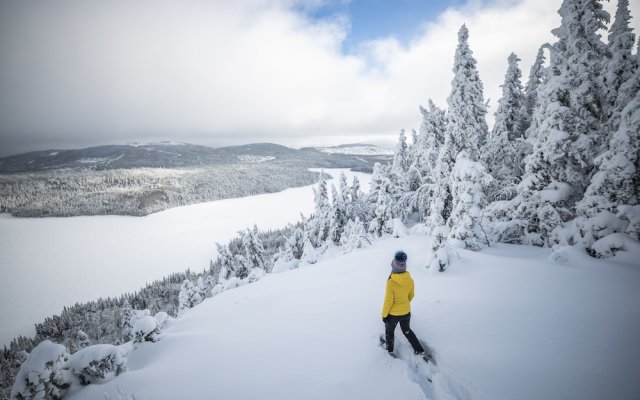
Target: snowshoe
383, 344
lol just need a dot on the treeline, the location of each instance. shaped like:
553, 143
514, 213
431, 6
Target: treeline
106, 320
140, 191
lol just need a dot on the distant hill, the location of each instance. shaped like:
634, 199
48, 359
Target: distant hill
183, 155
140, 179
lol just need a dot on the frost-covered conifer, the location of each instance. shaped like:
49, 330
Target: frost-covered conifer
42, 375
358, 205
188, 297
536, 76
385, 204
320, 222
503, 155
355, 236
345, 192
226, 262
399, 178
616, 183
208, 285
567, 121
620, 65
468, 182
81, 340
309, 254
466, 114
426, 149
439, 257
241, 266
338, 215
401, 155
254, 250
126, 321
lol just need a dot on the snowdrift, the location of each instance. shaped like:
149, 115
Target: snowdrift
504, 323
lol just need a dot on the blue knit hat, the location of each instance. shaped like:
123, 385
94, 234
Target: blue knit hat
399, 262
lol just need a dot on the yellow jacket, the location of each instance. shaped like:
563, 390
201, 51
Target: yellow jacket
398, 295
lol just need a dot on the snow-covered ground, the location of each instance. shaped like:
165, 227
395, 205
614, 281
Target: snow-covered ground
49, 263
504, 323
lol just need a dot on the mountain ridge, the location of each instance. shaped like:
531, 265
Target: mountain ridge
180, 155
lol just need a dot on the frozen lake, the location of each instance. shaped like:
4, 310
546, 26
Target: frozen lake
49, 263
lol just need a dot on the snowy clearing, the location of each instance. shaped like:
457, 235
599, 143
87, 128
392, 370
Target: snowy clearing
504, 323
49, 263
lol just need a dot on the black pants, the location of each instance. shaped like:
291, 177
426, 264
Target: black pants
390, 327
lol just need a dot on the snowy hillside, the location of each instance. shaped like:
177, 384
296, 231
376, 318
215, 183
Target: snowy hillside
505, 323
357, 149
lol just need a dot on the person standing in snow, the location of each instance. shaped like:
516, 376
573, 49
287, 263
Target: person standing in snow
397, 303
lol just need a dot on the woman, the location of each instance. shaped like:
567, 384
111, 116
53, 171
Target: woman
397, 307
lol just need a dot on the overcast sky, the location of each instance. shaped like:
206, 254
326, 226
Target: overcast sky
76, 73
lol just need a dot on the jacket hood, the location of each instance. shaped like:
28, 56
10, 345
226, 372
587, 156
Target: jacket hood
403, 278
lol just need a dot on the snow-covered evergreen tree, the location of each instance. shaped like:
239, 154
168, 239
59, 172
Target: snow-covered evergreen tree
81, 340
401, 155
358, 205
504, 152
309, 254
568, 122
42, 375
226, 262
208, 285
616, 183
355, 236
384, 202
620, 64
344, 189
426, 149
467, 109
254, 250
536, 76
468, 182
241, 266
320, 223
126, 321
188, 297
338, 215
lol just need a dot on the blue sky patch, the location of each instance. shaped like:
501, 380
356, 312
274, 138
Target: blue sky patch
374, 19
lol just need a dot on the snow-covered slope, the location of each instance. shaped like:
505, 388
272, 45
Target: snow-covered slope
60, 261
505, 324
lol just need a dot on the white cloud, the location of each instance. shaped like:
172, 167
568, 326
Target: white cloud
83, 71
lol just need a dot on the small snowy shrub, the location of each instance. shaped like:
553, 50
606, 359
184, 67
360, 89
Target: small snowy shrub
309, 255
355, 236
281, 265
146, 330
439, 258
97, 364
217, 289
161, 319
609, 245
41, 375
256, 274
399, 229
188, 297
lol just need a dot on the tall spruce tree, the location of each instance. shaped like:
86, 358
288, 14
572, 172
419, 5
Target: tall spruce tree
338, 216
568, 120
537, 75
467, 109
620, 66
427, 148
503, 154
468, 182
615, 184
